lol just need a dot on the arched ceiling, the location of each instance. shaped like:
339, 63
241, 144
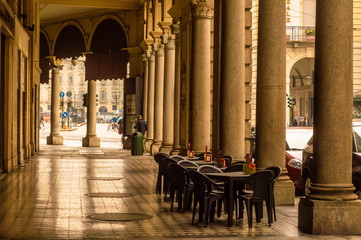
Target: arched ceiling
55, 9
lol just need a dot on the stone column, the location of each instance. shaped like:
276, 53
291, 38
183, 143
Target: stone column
232, 104
91, 139
168, 109
200, 81
55, 138
177, 88
331, 208
145, 86
158, 98
271, 95
150, 108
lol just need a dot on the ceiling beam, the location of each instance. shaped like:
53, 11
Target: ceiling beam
116, 4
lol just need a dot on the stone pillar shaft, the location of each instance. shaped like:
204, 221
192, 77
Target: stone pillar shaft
177, 89
150, 110
55, 100
331, 207
168, 109
271, 96
54, 138
271, 85
91, 139
158, 98
200, 81
333, 102
232, 117
91, 113
145, 86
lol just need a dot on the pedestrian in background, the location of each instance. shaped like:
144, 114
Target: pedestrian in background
141, 125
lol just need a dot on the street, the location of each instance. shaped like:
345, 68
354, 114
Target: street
108, 139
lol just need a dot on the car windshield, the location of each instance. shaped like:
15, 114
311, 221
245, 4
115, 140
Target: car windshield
297, 140
357, 130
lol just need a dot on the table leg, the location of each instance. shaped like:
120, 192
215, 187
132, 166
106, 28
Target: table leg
230, 203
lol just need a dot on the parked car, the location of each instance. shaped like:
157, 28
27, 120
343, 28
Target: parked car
296, 140
308, 173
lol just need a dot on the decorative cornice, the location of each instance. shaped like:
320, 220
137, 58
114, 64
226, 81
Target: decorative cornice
156, 36
146, 44
165, 26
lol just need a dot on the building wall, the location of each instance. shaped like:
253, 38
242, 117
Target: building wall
19, 138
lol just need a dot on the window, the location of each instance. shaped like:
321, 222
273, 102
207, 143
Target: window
103, 96
114, 107
49, 107
60, 79
70, 80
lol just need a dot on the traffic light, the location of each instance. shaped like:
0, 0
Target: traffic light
290, 101
85, 100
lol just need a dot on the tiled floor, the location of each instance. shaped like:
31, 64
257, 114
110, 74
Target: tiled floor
47, 199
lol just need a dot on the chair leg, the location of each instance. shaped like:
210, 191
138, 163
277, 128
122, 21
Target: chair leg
194, 211
179, 195
159, 184
258, 210
206, 211
172, 193
269, 212
249, 212
219, 208
241, 208
274, 207
201, 210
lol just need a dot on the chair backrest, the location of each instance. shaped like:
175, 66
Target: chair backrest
276, 171
202, 183
159, 156
168, 161
260, 183
187, 163
209, 169
178, 158
178, 174
229, 160
234, 168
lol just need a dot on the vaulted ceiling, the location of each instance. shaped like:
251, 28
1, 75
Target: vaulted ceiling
54, 9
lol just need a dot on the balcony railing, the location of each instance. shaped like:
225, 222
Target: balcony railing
300, 33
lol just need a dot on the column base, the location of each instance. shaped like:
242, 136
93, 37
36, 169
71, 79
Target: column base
155, 148
54, 140
91, 141
329, 217
127, 142
148, 144
284, 192
176, 150
166, 149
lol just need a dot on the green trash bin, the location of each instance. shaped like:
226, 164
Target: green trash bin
137, 143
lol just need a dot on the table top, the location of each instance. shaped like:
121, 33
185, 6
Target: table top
228, 175
193, 159
202, 162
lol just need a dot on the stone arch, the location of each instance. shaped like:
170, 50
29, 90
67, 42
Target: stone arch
109, 58
43, 61
70, 41
101, 20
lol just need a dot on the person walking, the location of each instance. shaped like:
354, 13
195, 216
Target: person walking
42, 121
141, 125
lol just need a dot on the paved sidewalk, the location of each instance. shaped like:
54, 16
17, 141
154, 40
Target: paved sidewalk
47, 199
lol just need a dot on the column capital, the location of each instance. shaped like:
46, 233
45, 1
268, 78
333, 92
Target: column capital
168, 41
200, 9
149, 53
159, 49
175, 28
146, 44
